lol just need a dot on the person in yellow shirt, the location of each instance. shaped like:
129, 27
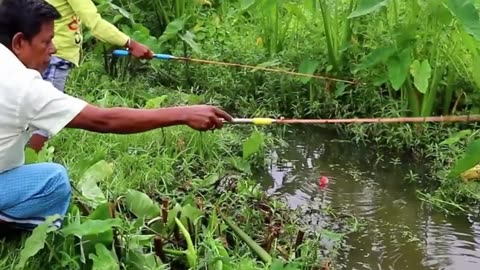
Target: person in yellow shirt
68, 42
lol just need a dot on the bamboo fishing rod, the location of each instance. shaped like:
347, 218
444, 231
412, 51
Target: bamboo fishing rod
440, 119
171, 57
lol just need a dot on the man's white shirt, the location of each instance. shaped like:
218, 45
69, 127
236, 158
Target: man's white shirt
28, 103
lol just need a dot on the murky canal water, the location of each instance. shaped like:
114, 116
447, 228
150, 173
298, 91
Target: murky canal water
399, 231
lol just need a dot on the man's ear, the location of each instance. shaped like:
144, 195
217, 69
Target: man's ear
18, 42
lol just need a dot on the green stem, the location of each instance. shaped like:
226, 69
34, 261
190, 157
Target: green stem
447, 97
191, 252
174, 252
249, 241
328, 34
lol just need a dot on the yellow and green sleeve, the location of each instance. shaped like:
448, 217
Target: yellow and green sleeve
68, 29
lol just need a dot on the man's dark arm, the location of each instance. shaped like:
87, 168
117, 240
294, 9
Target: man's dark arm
127, 120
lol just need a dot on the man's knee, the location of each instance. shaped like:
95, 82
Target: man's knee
59, 180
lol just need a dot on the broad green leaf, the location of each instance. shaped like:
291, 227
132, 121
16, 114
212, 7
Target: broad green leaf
277, 265
139, 261
307, 67
102, 212
207, 181
379, 55
172, 29
88, 182
172, 214
36, 241
241, 164
190, 212
454, 138
188, 38
470, 159
91, 227
467, 14
103, 259
398, 67
421, 72
140, 241
252, 144
121, 10
156, 102
195, 99
141, 205
365, 7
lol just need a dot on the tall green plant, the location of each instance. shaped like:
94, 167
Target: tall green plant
417, 54
275, 19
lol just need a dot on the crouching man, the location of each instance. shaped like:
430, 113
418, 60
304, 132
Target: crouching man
29, 193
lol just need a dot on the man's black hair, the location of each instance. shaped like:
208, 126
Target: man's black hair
24, 16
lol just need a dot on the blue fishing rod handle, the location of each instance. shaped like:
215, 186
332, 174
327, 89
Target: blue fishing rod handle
164, 56
121, 52
157, 55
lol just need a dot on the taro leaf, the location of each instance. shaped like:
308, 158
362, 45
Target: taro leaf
340, 89
307, 67
208, 181
140, 241
91, 227
470, 159
421, 72
188, 38
277, 265
398, 67
252, 144
466, 12
195, 99
365, 7
101, 213
172, 30
141, 205
456, 137
88, 182
103, 259
156, 102
241, 164
172, 214
379, 55
139, 261
36, 241
122, 11
190, 212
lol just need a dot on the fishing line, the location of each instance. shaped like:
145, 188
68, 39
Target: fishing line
441, 119
171, 57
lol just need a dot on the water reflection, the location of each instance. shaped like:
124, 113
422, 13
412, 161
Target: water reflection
401, 232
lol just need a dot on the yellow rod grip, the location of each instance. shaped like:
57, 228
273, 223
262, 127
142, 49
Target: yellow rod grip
262, 121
